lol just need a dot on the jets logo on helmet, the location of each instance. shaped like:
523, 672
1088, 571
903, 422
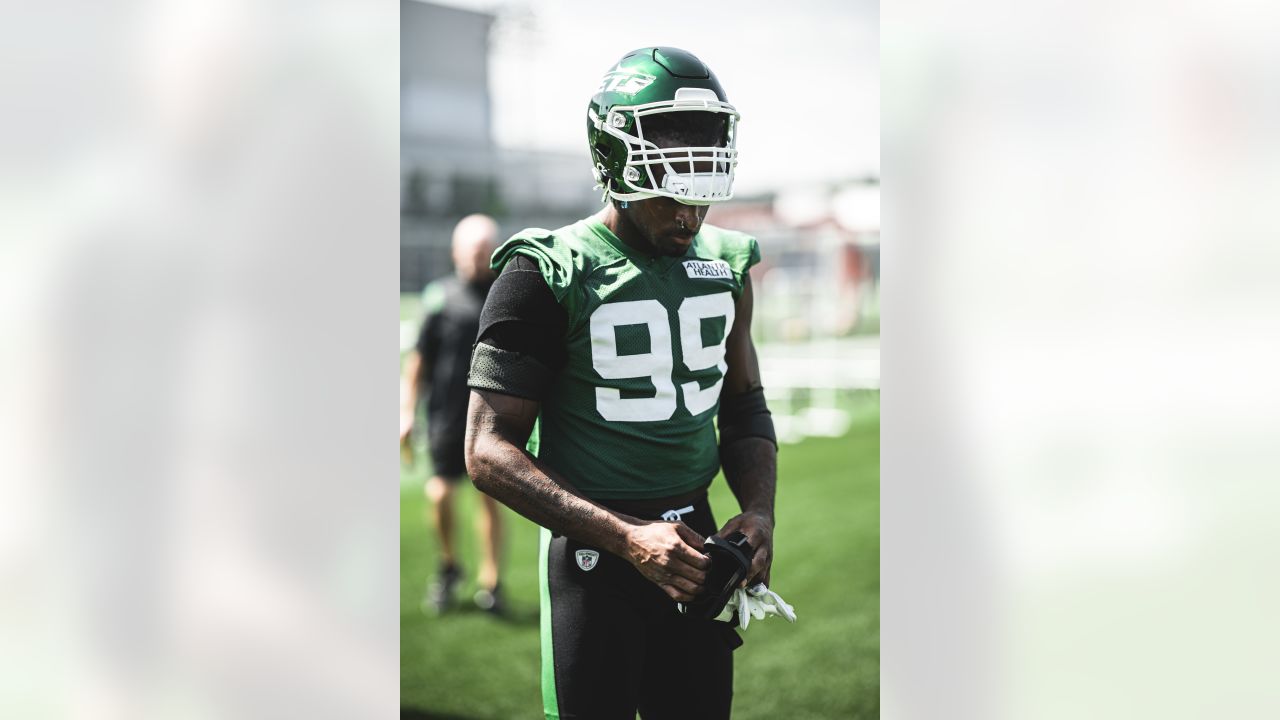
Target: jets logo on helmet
625, 82
660, 125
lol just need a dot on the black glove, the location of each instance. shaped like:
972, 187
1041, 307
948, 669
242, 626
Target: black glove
730, 561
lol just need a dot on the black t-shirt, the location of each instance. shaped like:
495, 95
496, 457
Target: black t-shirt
448, 332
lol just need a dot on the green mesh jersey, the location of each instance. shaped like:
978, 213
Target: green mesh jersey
631, 413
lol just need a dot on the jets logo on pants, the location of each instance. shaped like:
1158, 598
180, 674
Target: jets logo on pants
587, 559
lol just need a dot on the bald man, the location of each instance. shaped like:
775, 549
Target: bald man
438, 366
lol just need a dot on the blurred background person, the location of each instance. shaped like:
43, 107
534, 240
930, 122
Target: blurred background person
437, 367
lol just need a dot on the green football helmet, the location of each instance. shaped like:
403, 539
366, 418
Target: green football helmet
652, 90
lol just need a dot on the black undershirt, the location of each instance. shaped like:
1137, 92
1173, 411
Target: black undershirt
522, 316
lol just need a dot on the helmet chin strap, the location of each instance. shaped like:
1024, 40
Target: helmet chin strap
608, 192
637, 195
640, 195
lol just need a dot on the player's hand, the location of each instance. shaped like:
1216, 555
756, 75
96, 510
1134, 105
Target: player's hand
670, 555
758, 528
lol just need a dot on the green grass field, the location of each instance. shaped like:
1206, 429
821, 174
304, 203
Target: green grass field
827, 547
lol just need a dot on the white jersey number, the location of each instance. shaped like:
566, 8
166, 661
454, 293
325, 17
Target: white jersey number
658, 363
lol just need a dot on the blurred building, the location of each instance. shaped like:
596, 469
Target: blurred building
449, 164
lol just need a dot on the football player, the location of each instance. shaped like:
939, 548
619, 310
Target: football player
607, 350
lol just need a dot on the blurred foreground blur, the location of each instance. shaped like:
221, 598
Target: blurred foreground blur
1082, 401
197, 224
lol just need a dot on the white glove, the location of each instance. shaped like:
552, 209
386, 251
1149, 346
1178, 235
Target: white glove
730, 606
757, 601
771, 601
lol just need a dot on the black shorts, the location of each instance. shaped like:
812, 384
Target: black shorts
448, 458
614, 643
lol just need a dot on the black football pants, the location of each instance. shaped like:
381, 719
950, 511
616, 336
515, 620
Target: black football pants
614, 643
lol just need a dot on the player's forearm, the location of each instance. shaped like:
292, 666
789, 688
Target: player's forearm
408, 396
518, 480
751, 469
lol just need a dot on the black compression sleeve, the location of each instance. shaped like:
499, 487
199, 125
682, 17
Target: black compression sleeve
745, 415
522, 316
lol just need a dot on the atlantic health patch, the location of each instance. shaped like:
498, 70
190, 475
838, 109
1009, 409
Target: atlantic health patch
708, 269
